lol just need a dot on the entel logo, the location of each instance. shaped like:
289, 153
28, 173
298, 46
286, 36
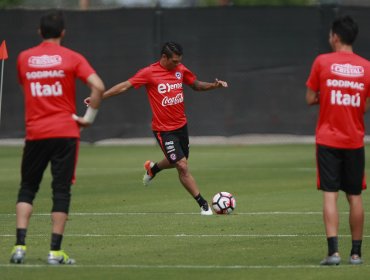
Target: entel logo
347, 70
44, 61
165, 88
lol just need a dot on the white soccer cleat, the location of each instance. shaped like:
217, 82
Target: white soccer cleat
355, 259
206, 212
148, 176
59, 257
331, 260
18, 254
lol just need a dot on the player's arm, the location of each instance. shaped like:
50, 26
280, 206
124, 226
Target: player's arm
312, 97
203, 86
115, 90
97, 88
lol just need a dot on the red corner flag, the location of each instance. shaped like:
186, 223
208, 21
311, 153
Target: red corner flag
3, 51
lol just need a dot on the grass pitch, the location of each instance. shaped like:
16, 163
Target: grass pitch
119, 229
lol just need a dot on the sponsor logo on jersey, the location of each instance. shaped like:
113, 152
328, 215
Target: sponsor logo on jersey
347, 70
178, 75
44, 61
169, 101
38, 90
345, 84
166, 88
45, 74
345, 99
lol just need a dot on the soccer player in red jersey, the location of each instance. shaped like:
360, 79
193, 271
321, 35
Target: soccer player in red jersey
47, 74
339, 83
164, 82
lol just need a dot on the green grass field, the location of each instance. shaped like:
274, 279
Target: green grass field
119, 229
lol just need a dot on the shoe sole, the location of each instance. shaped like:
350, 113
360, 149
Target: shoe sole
330, 261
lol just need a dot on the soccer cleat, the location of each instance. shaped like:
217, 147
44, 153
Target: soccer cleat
205, 210
59, 257
18, 254
331, 260
148, 176
355, 259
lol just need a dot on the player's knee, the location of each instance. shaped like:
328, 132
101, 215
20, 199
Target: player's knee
27, 194
61, 200
182, 166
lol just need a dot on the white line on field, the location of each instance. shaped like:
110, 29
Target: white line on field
139, 266
176, 213
182, 235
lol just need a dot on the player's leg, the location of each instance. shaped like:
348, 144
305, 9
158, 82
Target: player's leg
331, 222
164, 164
356, 217
164, 139
355, 183
356, 222
329, 166
185, 177
189, 183
34, 162
63, 163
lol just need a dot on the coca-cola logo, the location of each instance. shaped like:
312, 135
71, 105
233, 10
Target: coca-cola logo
169, 101
44, 61
347, 70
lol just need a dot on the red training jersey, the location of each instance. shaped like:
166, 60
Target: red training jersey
343, 82
47, 74
165, 92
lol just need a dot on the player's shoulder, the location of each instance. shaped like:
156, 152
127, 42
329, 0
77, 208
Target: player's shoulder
325, 57
182, 67
70, 52
28, 51
154, 65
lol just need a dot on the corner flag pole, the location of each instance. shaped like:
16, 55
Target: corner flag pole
3, 56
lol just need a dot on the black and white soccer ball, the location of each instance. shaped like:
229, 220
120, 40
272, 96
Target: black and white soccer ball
223, 203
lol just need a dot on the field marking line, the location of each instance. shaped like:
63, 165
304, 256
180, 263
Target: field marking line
182, 235
180, 213
139, 266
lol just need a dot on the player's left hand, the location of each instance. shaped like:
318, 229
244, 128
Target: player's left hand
220, 83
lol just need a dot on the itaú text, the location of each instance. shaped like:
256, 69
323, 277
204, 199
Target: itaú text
345, 99
38, 89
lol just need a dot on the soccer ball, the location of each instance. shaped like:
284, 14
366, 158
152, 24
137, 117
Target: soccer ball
223, 203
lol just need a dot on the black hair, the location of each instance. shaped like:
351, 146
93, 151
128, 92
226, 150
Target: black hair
52, 24
346, 29
171, 48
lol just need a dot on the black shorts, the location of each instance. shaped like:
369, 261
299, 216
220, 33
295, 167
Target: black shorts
174, 144
60, 152
340, 169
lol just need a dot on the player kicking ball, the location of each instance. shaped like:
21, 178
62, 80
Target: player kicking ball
164, 82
